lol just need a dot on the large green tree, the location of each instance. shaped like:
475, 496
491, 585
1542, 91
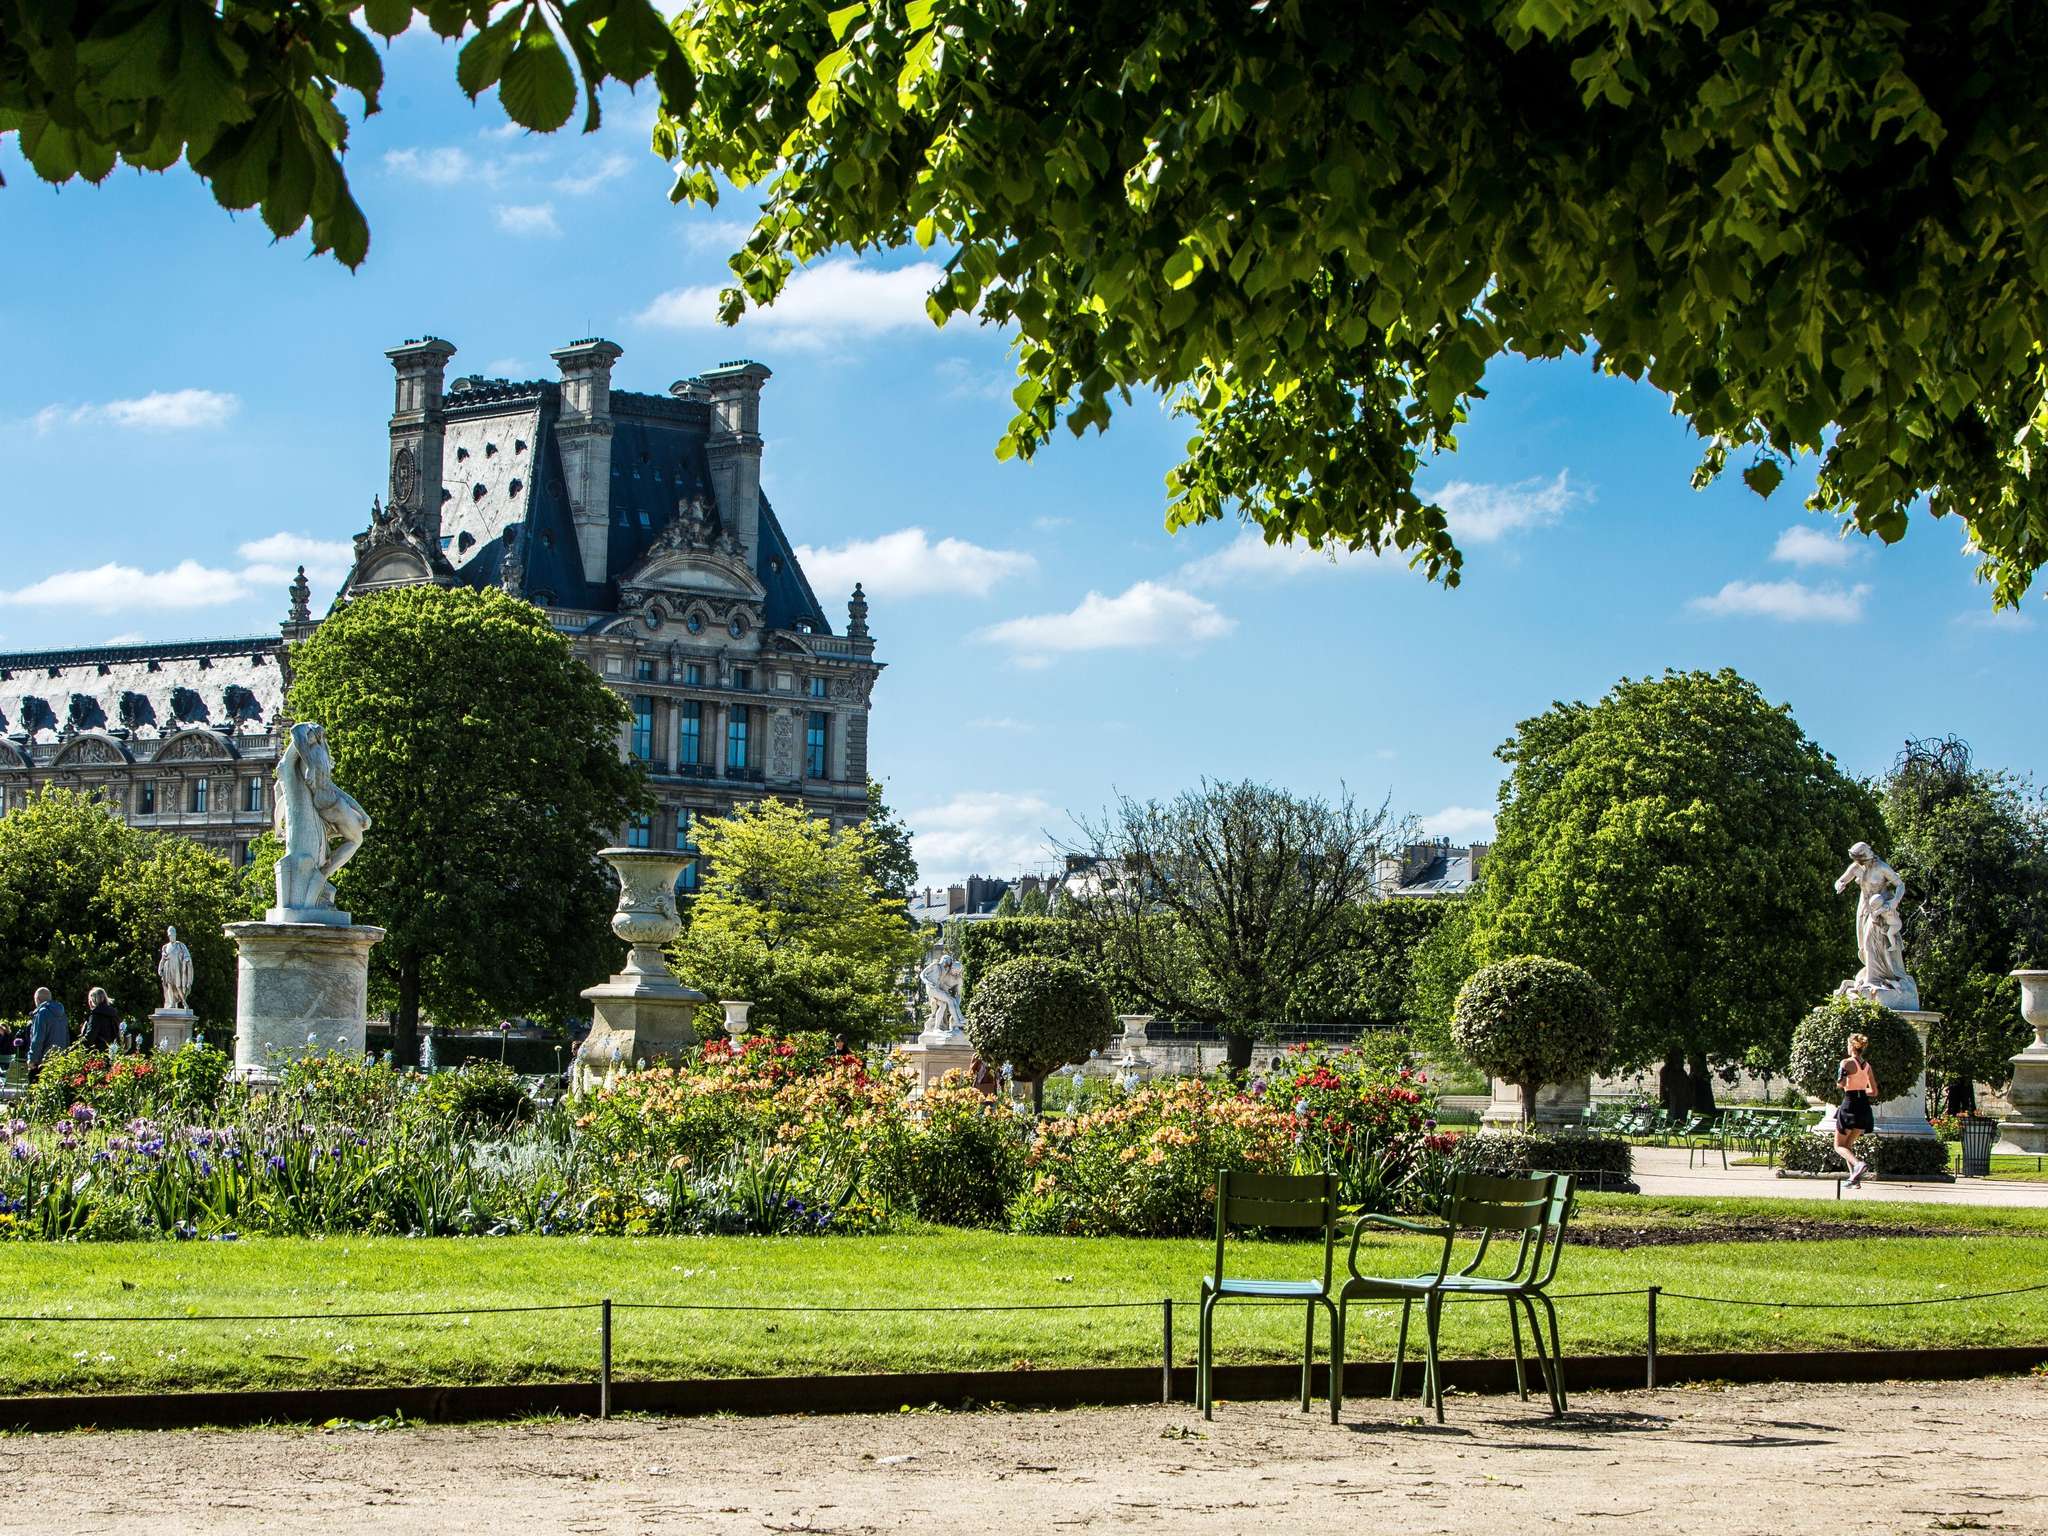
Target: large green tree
1816, 228
1679, 839
84, 901
1972, 847
488, 757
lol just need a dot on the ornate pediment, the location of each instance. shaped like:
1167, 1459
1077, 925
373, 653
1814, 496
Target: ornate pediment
10, 758
691, 554
90, 751
398, 548
195, 746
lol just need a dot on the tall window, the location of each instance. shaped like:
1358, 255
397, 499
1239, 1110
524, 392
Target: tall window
690, 735
817, 686
736, 737
644, 670
816, 735
199, 794
145, 797
685, 843
640, 832
252, 794
693, 674
743, 677
643, 727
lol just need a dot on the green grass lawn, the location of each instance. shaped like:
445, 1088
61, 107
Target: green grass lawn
1991, 1249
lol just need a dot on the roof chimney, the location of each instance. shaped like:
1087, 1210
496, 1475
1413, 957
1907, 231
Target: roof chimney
583, 433
734, 448
416, 430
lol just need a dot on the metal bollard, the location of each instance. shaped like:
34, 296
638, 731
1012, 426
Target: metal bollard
1166, 1350
1650, 1340
604, 1359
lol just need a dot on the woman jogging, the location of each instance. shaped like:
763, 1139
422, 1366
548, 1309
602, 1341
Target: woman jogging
1859, 1092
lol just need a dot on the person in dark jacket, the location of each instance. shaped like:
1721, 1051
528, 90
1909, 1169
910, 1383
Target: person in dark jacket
49, 1029
102, 1027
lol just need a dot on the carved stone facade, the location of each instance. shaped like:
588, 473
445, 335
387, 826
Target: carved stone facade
635, 521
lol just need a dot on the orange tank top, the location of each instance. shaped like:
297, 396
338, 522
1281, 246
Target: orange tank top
1859, 1078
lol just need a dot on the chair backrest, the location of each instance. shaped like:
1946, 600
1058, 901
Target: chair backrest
1495, 1207
1297, 1201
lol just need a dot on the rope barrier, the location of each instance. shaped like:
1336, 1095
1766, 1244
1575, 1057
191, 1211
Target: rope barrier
737, 1306
1857, 1306
296, 1317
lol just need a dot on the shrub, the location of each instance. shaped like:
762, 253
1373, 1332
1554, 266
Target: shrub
338, 1089
1888, 1156
1531, 1021
1362, 1116
187, 1082
1037, 1015
959, 1160
1366, 982
1594, 1162
1821, 1040
794, 988
480, 1096
1146, 1164
983, 946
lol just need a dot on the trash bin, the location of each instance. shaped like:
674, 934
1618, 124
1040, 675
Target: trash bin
1979, 1132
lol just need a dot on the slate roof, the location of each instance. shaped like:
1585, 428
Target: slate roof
232, 685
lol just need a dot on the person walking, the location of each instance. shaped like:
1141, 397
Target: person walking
49, 1029
1853, 1118
101, 1030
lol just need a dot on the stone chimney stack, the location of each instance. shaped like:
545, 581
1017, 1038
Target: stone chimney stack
1479, 853
583, 433
735, 448
417, 429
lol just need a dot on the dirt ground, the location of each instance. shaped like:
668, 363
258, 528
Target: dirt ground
1778, 1461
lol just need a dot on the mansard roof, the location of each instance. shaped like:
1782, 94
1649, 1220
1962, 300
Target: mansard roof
152, 690
505, 500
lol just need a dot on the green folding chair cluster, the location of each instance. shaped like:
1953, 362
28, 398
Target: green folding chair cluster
1527, 1215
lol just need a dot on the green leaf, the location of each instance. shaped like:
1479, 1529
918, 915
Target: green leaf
388, 18
633, 40
1763, 477
842, 20
482, 61
538, 89
1180, 268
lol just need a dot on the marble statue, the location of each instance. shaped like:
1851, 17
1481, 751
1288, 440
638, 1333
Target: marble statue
1880, 932
174, 970
942, 991
320, 826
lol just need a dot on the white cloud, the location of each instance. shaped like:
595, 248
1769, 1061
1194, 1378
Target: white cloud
526, 218
1998, 620
1460, 823
431, 167
1791, 601
908, 564
827, 302
269, 564
595, 175
1486, 514
708, 233
998, 723
1049, 524
981, 832
1803, 544
1248, 558
164, 410
1145, 614
967, 381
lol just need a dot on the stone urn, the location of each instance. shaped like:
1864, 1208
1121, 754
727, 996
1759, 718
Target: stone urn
2027, 1130
643, 1014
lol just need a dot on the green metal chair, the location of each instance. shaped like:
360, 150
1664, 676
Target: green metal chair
1702, 1134
1542, 1246
1489, 1207
1284, 1201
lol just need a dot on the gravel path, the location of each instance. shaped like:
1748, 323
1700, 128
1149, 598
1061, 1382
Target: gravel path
1782, 1460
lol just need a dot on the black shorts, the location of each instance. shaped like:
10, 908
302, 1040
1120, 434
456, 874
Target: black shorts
1855, 1115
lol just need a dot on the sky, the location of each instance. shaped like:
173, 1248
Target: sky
189, 410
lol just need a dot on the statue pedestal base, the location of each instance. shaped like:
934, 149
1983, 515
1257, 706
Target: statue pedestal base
1906, 1115
938, 1052
171, 1029
301, 989
1558, 1105
640, 1017
2027, 1130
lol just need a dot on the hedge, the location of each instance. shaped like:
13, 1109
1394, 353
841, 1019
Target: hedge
987, 944
1366, 982
1594, 1162
1910, 1157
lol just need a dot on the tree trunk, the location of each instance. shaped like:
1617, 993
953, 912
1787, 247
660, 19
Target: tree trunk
1237, 1053
1673, 1091
405, 1024
1529, 1092
1960, 1097
1702, 1084
1038, 1096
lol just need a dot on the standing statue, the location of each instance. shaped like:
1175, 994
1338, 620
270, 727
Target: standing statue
320, 826
942, 980
1880, 931
174, 970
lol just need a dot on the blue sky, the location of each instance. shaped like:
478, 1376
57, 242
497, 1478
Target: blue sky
188, 410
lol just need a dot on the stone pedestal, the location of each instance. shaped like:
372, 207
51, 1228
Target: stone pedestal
171, 1029
1906, 1113
939, 1051
2027, 1129
1558, 1105
301, 989
643, 1014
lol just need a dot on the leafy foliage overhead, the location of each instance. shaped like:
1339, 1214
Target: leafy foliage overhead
249, 92
1816, 228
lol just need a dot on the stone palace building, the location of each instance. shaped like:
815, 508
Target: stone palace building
635, 521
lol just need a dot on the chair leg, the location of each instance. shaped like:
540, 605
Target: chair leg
1432, 1314
1202, 1362
1542, 1354
1400, 1350
1556, 1352
1308, 1355
1515, 1331
1336, 1361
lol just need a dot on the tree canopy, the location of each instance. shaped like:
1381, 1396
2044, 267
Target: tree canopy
488, 758
1815, 228
84, 901
1531, 1022
1680, 840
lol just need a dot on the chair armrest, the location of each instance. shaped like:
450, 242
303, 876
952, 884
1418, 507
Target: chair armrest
1374, 1219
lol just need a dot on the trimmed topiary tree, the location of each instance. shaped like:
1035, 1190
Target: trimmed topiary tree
1821, 1040
1038, 1014
1530, 1021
